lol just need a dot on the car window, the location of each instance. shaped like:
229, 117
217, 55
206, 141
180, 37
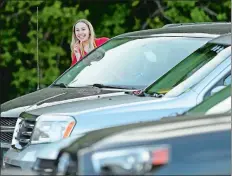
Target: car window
185, 68
227, 80
211, 101
130, 62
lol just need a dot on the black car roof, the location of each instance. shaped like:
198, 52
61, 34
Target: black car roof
163, 129
92, 137
209, 28
223, 39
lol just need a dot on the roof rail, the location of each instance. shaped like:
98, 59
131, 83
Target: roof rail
185, 24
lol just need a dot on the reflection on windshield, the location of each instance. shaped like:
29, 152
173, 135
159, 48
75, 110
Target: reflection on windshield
130, 62
211, 101
185, 69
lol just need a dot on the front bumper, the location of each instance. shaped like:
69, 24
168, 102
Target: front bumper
4, 148
44, 166
23, 159
26, 158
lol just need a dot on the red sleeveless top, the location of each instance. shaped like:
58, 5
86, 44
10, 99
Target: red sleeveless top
98, 42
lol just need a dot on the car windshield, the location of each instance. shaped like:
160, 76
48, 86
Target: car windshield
130, 62
211, 101
185, 68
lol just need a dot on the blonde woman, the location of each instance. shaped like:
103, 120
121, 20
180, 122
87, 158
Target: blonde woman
83, 40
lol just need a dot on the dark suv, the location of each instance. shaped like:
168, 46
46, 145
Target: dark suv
192, 146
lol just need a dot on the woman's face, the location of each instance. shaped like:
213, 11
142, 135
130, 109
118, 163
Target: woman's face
82, 31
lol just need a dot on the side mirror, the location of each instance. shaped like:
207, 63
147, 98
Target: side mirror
216, 89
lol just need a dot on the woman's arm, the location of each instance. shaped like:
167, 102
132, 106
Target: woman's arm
76, 55
74, 59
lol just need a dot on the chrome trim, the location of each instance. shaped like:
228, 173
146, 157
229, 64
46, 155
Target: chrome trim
4, 145
29, 125
27, 133
7, 130
7, 127
24, 140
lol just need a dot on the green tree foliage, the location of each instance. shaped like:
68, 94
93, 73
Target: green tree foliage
18, 25
19, 40
181, 11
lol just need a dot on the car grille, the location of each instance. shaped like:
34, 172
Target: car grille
24, 131
7, 129
6, 121
6, 137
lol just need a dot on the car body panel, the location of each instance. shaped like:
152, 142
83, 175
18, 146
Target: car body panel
84, 104
47, 95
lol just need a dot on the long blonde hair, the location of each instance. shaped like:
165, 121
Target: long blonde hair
91, 40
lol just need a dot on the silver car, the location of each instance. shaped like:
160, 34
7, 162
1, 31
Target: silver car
126, 62
183, 87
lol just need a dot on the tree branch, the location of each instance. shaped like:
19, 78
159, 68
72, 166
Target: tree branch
209, 11
58, 56
17, 13
46, 35
162, 11
151, 16
2, 3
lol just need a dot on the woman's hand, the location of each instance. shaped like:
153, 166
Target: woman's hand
77, 50
76, 47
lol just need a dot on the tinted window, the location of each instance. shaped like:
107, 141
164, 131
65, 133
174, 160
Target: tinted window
227, 81
131, 62
185, 68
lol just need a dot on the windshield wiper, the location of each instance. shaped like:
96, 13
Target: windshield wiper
62, 85
109, 86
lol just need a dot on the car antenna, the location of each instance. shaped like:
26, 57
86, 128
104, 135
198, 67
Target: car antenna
37, 56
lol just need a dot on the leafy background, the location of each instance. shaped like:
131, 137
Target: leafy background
18, 31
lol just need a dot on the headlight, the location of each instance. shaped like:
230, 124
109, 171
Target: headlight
130, 161
51, 128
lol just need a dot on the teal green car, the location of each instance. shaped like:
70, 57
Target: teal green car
218, 103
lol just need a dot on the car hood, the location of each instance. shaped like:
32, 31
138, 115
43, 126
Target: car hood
82, 104
18, 105
145, 109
